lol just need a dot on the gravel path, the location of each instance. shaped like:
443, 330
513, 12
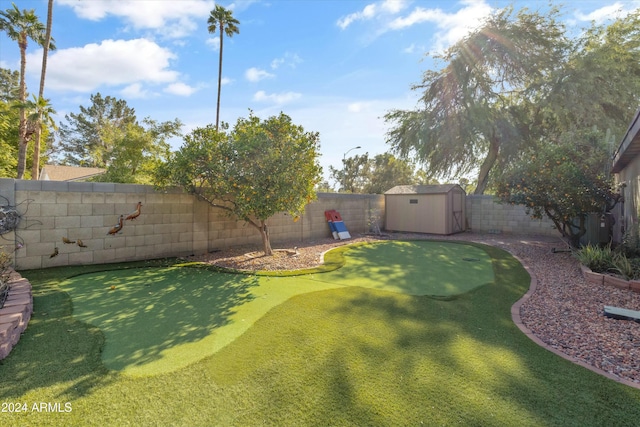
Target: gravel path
565, 311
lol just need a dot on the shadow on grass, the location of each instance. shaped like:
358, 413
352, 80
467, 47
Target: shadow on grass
55, 350
441, 269
163, 307
369, 357
152, 310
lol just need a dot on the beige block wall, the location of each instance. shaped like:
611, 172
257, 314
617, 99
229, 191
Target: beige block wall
177, 224
171, 223
486, 215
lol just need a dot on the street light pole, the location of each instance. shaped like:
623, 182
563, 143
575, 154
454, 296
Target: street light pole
344, 164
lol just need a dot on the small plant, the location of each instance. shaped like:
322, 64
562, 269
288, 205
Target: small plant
598, 259
622, 265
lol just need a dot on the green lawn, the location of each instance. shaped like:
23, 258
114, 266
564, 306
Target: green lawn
368, 344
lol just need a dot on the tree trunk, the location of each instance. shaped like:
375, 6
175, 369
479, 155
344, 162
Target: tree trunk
266, 242
487, 165
219, 77
22, 141
35, 170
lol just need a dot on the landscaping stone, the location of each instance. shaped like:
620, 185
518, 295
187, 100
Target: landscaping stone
618, 282
15, 314
592, 277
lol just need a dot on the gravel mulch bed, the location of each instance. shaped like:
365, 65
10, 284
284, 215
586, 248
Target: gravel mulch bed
565, 312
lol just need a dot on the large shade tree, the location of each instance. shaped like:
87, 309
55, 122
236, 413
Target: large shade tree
221, 20
516, 83
108, 135
374, 175
80, 134
260, 168
21, 26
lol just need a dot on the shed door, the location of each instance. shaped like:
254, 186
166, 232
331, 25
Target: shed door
458, 212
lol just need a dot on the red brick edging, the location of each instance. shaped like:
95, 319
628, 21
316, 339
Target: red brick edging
15, 314
515, 315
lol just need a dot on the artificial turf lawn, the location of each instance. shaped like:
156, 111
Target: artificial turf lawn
344, 356
180, 315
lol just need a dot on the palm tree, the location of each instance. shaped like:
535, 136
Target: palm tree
21, 26
35, 169
222, 19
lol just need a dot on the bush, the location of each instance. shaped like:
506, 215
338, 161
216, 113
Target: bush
623, 266
598, 259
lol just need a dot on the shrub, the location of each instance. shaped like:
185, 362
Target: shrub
622, 265
598, 259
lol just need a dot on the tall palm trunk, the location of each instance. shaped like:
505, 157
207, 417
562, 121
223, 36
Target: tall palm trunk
219, 76
35, 170
22, 140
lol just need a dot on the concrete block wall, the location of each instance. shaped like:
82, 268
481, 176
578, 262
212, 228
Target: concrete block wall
226, 232
486, 215
171, 224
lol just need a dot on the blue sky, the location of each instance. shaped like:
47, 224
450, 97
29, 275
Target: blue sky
334, 66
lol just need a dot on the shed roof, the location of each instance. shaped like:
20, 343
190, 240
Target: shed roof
423, 189
68, 173
630, 145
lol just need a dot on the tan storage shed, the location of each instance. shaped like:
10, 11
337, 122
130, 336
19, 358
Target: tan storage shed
435, 209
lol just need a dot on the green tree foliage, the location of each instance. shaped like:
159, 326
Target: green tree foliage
21, 26
361, 174
258, 169
222, 21
516, 83
80, 138
385, 171
108, 135
563, 180
9, 122
136, 151
350, 178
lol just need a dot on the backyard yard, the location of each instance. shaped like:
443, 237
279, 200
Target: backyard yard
398, 332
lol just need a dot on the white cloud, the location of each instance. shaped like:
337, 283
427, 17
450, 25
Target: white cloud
277, 98
135, 90
451, 27
110, 63
255, 74
214, 43
289, 59
358, 107
605, 13
371, 11
170, 18
409, 49
226, 81
180, 89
